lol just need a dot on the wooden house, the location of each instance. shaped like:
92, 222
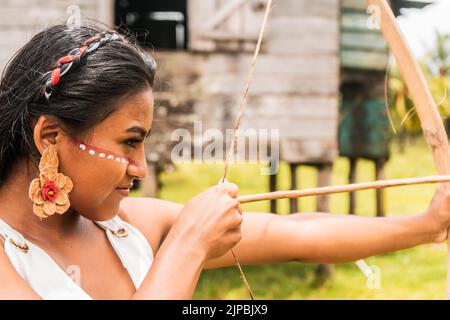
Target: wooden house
313, 53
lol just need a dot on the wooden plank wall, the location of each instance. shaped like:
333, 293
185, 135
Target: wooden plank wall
296, 82
21, 19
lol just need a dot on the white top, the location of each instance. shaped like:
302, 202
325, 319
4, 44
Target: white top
51, 282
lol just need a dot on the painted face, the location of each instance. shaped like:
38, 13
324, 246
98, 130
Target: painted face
105, 154
113, 157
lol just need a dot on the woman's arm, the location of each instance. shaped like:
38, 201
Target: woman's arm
174, 260
207, 227
331, 238
309, 237
324, 238
317, 237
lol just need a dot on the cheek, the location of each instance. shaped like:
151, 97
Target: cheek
94, 179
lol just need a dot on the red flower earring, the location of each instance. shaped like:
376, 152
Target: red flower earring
49, 192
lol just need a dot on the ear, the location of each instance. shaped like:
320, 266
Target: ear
46, 131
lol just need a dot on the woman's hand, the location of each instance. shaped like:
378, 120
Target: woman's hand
438, 213
211, 221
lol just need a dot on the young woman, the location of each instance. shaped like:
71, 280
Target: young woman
76, 105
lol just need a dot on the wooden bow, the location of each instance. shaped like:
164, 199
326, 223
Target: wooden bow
430, 120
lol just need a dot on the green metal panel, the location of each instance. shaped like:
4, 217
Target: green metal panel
364, 41
361, 47
354, 4
364, 130
364, 60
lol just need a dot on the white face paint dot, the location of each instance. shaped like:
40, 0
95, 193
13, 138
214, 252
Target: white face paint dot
118, 159
124, 160
110, 157
91, 152
101, 155
82, 147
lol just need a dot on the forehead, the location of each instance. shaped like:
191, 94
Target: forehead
133, 110
138, 107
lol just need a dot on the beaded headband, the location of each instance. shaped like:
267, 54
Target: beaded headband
64, 64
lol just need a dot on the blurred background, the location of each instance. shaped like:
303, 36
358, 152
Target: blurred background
324, 79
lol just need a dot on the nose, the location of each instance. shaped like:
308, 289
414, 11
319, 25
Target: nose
138, 167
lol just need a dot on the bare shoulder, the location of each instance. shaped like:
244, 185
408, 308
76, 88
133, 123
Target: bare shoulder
153, 217
13, 285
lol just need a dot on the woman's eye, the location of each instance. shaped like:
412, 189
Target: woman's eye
132, 142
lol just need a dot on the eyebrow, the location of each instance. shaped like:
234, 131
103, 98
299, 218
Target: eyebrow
139, 130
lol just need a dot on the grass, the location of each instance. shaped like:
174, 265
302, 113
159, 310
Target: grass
417, 273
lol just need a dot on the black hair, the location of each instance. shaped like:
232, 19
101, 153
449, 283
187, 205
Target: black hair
85, 96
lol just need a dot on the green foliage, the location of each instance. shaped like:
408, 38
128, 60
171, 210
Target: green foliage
436, 68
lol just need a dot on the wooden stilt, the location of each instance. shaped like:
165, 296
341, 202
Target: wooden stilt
380, 193
352, 179
323, 271
273, 187
293, 201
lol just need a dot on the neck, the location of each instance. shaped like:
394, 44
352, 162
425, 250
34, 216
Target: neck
16, 209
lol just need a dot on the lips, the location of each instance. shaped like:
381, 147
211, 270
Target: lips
128, 186
124, 192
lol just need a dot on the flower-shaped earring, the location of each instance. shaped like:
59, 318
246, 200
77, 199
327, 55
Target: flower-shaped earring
49, 192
